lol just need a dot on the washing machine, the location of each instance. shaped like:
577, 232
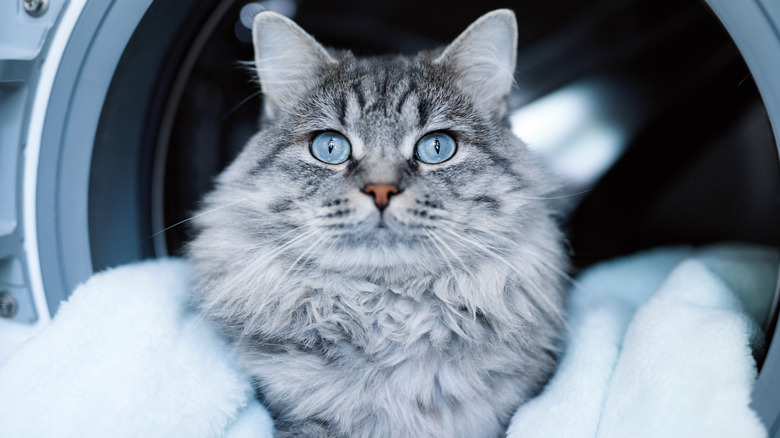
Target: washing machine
662, 117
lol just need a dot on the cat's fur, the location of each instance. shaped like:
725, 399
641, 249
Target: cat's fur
437, 317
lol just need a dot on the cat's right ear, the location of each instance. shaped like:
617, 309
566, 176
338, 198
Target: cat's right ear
483, 59
288, 60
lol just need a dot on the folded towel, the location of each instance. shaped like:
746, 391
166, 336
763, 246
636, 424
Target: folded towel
659, 345
126, 357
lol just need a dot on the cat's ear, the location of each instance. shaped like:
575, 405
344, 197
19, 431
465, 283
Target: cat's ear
483, 59
287, 59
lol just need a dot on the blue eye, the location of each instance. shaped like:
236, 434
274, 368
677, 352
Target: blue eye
435, 148
331, 147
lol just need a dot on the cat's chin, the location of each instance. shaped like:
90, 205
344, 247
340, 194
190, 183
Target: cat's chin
378, 248
373, 263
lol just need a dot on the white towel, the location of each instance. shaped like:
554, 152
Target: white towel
126, 357
660, 346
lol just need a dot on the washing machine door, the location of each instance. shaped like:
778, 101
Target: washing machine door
755, 27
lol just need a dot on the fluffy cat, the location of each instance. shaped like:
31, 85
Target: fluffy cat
380, 254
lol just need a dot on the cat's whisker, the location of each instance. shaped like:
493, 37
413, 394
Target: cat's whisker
263, 243
283, 236
267, 259
303, 234
240, 104
451, 251
245, 278
444, 257
473, 242
278, 249
556, 270
547, 198
273, 256
497, 249
306, 253
251, 268
462, 264
560, 272
571, 280
549, 304
196, 216
520, 249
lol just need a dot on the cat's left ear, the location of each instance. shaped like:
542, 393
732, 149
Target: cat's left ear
288, 60
483, 58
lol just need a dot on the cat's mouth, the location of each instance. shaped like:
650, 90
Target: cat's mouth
383, 231
380, 230
387, 224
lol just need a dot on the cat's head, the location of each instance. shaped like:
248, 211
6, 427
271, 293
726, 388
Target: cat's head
394, 162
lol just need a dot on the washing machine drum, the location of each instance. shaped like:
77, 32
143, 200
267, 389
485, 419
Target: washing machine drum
120, 113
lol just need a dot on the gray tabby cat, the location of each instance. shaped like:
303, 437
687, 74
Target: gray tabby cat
380, 255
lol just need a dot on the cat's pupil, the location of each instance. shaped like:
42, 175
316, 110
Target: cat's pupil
330, 148
435, 148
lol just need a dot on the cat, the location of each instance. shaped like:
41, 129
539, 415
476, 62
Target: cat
381, 255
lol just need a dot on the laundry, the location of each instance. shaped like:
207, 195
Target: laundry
660, 344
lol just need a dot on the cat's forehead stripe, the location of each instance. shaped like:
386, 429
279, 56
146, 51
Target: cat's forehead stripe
342, 105
402, 100
361, 98
423, 112
379, 86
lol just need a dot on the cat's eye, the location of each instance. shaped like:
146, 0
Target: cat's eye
330, 147
435, 148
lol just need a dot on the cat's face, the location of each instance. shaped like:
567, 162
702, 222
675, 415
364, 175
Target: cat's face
383, 162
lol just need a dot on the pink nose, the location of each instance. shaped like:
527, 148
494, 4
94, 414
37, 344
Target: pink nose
381, 193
